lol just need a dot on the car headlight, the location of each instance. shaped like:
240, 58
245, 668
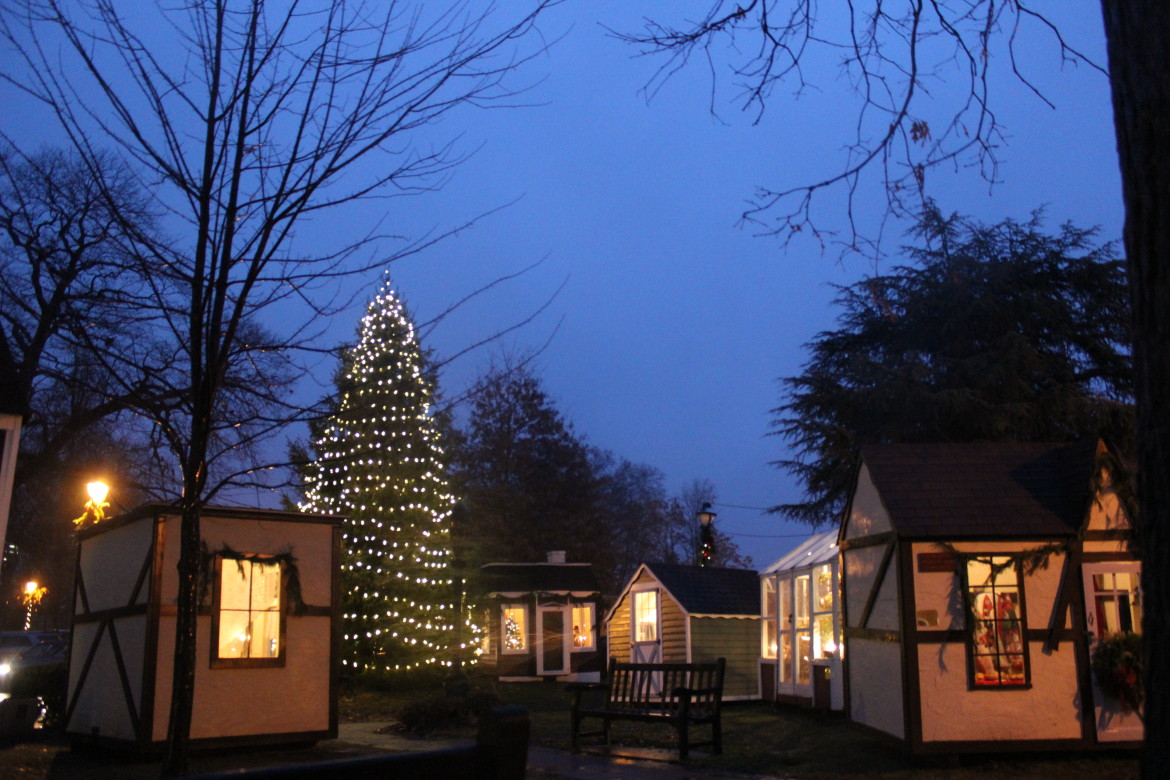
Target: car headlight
5, 670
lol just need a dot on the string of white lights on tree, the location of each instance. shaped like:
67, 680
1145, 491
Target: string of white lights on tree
379, 463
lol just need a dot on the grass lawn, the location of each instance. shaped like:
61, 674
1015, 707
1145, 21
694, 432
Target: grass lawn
757, 739
761, 739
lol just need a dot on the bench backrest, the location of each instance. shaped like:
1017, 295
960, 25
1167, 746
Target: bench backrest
641, 686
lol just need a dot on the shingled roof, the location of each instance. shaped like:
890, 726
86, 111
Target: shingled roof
708, 590
578, 578
983, 490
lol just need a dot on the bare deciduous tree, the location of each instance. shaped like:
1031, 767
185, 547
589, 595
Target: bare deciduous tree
244, 119
892, 53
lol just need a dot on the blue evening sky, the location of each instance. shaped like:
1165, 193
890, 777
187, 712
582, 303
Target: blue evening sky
675, 323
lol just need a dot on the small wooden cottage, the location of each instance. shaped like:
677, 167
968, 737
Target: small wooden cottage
542, 621
267, 652
690, 614
977, 581
800, 620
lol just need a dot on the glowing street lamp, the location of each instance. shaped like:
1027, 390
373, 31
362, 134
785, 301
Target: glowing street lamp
95, 508
706, 535
33, 593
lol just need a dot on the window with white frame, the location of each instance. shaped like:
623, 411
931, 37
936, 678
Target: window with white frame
514, 629
824, 619
645, 617
583, 618
768, 638
785, 629
801, 606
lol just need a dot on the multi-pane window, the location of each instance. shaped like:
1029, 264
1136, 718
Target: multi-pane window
1116, 606
824, 621
785, 629
646, 616
248, 618
583, 627
768, 617
514, 629
996, 642
803, 635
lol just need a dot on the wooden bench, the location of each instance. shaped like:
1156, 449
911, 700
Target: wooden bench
682, 695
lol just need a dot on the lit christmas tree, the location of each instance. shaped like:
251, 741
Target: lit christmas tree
379, 463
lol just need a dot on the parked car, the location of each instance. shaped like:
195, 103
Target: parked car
39, 674
47, 653
13, 643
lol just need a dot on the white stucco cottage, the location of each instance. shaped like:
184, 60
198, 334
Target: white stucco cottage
977, 581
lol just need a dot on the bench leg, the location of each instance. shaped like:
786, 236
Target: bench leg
716, 737
684, 741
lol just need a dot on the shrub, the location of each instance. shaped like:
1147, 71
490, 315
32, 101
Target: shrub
479, 702
438, 712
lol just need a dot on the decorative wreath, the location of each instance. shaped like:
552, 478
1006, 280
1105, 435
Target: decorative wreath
1117, 664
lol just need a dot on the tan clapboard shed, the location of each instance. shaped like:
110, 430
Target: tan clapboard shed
672, 613
267, 653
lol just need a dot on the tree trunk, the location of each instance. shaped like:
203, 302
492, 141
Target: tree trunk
1138, 35
183, 679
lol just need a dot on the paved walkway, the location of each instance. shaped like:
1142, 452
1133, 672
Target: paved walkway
548, 763
363, 739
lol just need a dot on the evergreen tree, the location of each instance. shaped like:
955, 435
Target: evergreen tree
526, 478
378, 462
995, 332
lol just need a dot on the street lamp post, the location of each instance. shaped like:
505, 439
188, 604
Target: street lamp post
33, 593
706, 535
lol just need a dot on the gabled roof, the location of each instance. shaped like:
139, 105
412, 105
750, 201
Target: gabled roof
515, 578
819, 549
983, 490
707, 590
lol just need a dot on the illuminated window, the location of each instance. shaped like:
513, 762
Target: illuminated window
824, 588
803, 659
824, 621
785, 630
514, 629
801, 608
583, 627
768, 617
248, 628
646, 616
802, 602
1115, 603
997, 648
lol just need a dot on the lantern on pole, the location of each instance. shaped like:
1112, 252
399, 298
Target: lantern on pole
95, 508
32, 595
706, 535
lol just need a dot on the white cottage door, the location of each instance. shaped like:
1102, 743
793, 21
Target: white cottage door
552, 651
1112, 606
646, 632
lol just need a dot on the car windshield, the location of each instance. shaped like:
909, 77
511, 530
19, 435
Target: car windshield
43, 651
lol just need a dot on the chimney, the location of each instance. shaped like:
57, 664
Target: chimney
556, 556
